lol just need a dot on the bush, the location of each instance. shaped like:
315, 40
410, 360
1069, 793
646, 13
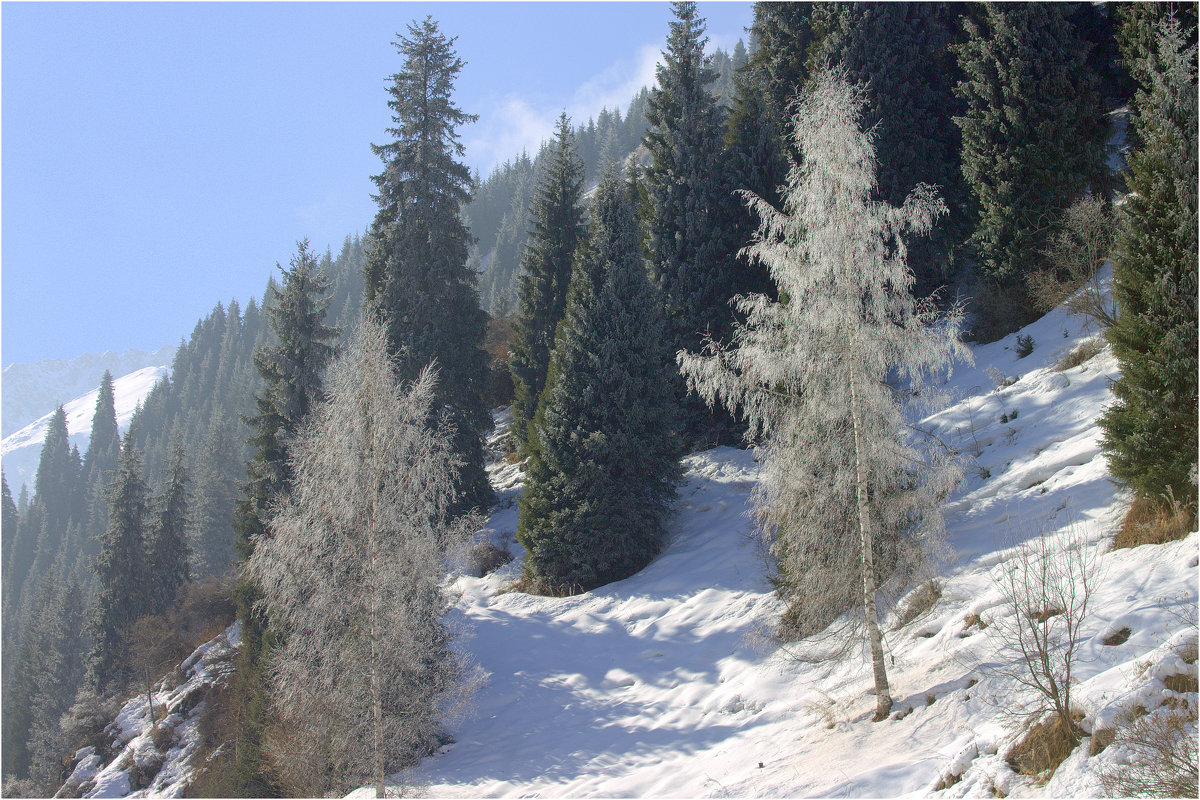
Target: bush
1025, 345
1159, 756
1076, 255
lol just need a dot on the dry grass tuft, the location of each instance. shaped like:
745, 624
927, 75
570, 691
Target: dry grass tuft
1184, 684
920, 601
1155, 522
1087, 350
1117, 637
1045, 747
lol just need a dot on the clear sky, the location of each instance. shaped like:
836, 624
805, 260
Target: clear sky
159, 157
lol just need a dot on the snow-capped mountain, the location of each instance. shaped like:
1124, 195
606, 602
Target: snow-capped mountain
22, 450
31, 391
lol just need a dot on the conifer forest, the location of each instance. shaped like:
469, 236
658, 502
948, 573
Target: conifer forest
822, 422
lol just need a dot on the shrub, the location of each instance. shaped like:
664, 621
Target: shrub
485, 557
919, 601
1076, 254
1025, 345
1160, 756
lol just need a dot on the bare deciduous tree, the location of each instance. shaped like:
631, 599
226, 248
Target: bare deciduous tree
352, 572
1046, 588
849, 497
1076, 254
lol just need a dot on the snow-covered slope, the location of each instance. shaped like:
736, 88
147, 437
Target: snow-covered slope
33, 390
21, 450
665, 685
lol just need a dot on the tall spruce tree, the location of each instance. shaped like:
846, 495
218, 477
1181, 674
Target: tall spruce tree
1032, 134
417, 281
603, 464
9, 517
104, 448
558, 226
120, 570
693, 207
211, 535
1151, 431
167, 550
901, 53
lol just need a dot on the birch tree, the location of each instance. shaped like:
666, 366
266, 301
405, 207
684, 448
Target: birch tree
849, 496
352, 571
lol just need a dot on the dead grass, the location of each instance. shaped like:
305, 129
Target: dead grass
922, 599
1117, 637
1155, 522
1101, 738
1184, 684
1086, 351
1045, 746
527, 584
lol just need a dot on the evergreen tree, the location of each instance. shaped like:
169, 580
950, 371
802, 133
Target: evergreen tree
690, 190
1032, 133
120, 570
901, 53
8, 518
104, 449
848, 503
167, 550
1151, 431
417, 280
603, 464
558, 226
211, 535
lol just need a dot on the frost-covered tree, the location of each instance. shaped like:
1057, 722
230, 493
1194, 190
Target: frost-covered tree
558, 226
848, 499
353, 572
1151, 431
417, 279
603, 446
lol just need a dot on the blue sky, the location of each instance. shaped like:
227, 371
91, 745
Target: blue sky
159, 157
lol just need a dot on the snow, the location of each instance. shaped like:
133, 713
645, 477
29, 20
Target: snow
668, 683
168, 766
22, 449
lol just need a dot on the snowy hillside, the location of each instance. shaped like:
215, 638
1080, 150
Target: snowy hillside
22, 449
664, 685
667, 684
32, 390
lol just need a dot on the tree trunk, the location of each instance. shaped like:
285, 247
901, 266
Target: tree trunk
883, 694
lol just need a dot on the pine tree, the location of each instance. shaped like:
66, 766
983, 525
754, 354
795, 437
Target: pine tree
1032, 134
167, 550
603, 464
849, 504
417, 280
1151, 431
353, 572
104, 448
558, 226
211, 536
693, 206
57, 672
120, 570
9, 517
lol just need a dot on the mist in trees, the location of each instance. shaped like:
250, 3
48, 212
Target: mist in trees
848, 498
366, 675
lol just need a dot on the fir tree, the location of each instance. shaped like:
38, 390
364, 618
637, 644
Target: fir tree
120, 570
104, 448
558, 226
1151, 431
167, 550
57, 672
603, 463
901, 53
8, 518
689, 185
1032, 133
211, 535
849, 504
417, 280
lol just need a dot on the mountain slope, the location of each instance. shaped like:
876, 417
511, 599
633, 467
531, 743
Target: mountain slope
22, 449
